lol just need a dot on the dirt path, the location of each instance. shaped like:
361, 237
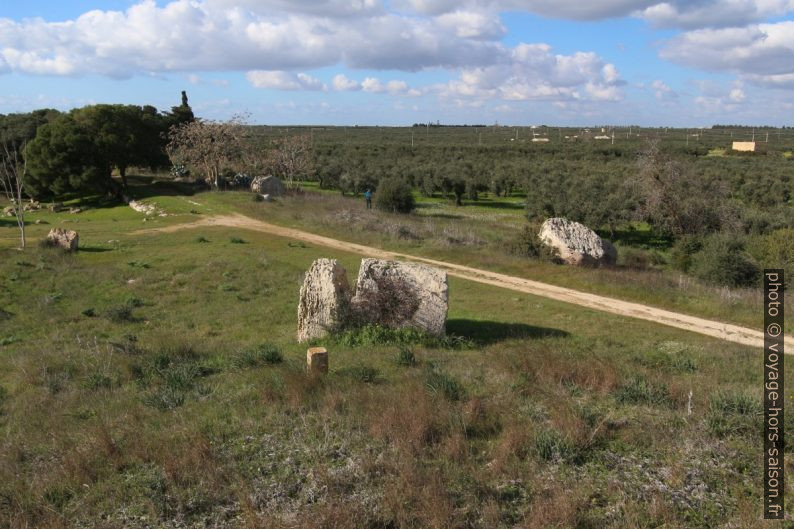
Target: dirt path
724, 331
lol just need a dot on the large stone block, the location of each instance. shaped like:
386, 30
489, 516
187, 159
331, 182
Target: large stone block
66, 239
576, 244
399, 294
267, 185
324, 304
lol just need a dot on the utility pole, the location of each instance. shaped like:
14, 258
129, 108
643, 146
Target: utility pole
412, 139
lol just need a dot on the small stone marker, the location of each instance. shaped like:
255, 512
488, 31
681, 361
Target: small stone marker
317, 360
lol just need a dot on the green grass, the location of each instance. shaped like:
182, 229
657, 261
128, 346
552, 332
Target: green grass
194, 408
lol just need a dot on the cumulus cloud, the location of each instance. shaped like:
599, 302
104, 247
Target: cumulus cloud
374, 85
689, 14
342, 84
662, 90
195, 36
533, 72
280, 80
762, 54
718, 13
473, 24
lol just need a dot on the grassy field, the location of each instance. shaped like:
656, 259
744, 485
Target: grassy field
153, 380
481, 237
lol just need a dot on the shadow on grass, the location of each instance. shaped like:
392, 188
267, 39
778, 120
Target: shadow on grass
491, 332
94, 249
146, 187
442, 215
8, 223
487, 203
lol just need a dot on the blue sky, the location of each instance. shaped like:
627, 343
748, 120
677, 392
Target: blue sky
395, 62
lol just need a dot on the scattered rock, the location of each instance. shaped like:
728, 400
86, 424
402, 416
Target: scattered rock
66, 239
267, 185
75, 210
577, 244
55, 207
146, 209
33, 205
324, 300
8, 211
399, 294
266, 198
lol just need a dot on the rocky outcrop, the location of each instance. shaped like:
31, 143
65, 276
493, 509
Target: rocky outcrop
324, 300
576, 244
267, 185
399, 294
66, 239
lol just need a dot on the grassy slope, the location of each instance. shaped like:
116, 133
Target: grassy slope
555, 417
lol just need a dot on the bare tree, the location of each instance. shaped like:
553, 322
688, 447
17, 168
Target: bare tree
291, 158
13, 171
209, 146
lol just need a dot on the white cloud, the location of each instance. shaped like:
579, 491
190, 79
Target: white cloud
718, 13
342, 84
213, 35
374, 85
662, 90
533, 72
280, 80
762, 54
473, 24
689, 14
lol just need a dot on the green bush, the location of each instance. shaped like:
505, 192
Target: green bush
775, 250
527, 244
723, 261
394, 195
683, 251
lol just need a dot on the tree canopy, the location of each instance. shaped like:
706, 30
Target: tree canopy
79, 150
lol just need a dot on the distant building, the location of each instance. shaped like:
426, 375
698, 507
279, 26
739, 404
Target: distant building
749, 146
543, 140
603, 137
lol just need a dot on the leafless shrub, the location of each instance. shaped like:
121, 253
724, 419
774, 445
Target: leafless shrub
390, 303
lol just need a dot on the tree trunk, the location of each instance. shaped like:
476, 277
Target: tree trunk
21, 222
123, 175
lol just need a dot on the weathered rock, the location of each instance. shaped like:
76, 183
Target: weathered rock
66, 239
398, 294
576, 244
267, 185
317, 360
324, 300
56, 207
75, 210
146, 209
8, 211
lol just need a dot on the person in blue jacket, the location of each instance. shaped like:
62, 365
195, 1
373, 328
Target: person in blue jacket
368, 198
